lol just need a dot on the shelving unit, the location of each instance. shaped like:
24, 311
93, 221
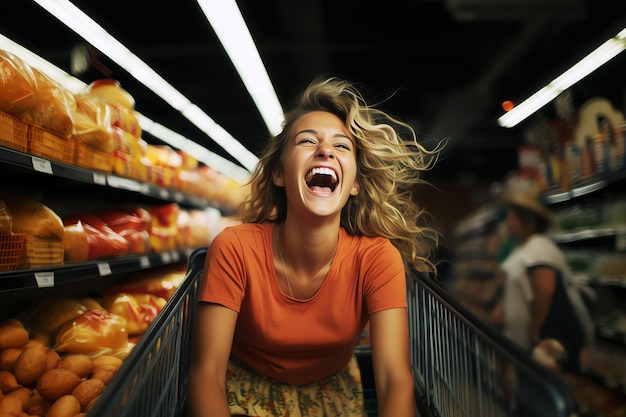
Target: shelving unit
62, 186
602, 361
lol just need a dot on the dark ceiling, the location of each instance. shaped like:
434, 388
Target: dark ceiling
444, 71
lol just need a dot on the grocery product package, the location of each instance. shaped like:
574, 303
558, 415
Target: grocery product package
103, 241
47, 316
34, 218
75, 243
139, 310
32, 96
93, 332
132, 224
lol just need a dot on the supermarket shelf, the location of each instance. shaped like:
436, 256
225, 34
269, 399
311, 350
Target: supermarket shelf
582, 188
58, 169
587, 234
30, 279
601, 281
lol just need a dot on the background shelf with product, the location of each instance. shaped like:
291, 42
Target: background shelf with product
574, 160
95, 242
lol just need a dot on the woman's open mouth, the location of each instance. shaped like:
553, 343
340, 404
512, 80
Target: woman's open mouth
321, 179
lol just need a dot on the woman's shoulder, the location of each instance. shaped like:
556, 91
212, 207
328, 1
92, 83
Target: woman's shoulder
245, 232
361, 243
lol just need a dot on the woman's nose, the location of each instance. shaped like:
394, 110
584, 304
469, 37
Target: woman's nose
326, 150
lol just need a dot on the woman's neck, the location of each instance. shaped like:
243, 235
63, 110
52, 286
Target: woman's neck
308, 246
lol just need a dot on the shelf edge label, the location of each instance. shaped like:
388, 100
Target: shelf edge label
44, 279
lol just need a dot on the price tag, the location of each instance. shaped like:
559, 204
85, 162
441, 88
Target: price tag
44, 279
175, 256
145, 188
178, 196
166, 257
144, 261
165, 195
99, 178
42, 165
123, 183
104, 268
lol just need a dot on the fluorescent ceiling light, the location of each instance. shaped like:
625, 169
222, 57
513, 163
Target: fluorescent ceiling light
604, 53
93, 33
226, 20
170, 137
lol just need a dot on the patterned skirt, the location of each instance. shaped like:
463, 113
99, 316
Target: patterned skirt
250, 393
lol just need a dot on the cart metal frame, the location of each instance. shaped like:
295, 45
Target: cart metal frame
463, 367
153, 380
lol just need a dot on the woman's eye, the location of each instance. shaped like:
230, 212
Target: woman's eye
306, 140
344, 146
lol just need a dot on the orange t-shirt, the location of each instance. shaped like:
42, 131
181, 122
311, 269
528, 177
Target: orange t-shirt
300, 341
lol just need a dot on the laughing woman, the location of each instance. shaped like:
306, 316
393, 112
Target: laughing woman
329, 235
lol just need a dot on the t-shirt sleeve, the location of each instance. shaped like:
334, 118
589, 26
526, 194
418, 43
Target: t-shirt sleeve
224, 275
541, 252
385, 278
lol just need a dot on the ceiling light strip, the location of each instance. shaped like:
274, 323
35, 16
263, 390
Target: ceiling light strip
226, 20
601, 55
93, 33
170, 137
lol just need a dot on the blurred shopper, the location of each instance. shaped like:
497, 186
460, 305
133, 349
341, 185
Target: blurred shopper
540, 301
329, 233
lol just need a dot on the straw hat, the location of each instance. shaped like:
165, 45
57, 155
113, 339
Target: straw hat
529, 202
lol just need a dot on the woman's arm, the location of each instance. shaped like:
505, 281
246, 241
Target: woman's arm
213, 336
543, 282
389, 330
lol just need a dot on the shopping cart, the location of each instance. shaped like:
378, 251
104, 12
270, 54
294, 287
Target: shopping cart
465, 368
152, 382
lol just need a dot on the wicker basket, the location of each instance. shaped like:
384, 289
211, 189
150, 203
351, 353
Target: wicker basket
13, 133
11, 250
92, 158
50, 145
41, 252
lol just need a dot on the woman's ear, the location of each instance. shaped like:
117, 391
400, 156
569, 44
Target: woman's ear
355, 189
278, 179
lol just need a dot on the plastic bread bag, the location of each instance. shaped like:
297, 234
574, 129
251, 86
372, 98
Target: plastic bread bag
161, 282
35, 218
53, 107
46, 317
103, 241
75, 243
17, 85
92, 122
139, 310
91, 333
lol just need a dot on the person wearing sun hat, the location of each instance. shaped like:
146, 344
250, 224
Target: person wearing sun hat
540, 300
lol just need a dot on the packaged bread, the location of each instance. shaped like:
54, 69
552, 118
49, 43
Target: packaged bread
92, 120
50, 314
53, 107
75, 243
139, 310
161, 282
17, 84
93, 332
103, 241
35, 218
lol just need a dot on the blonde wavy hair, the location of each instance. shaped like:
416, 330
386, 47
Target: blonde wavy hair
388, 169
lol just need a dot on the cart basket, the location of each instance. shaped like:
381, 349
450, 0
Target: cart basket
152, 381
464, 367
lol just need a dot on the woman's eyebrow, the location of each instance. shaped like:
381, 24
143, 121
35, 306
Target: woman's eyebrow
315, 132
306, 131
